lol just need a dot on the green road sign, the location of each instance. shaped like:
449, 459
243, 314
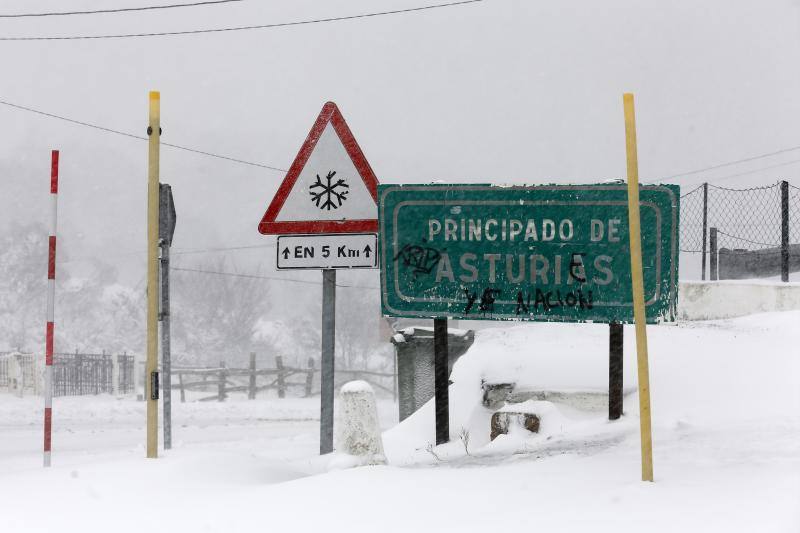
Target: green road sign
551, 253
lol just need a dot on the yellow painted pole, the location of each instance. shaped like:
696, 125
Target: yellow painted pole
154, 135
638, 288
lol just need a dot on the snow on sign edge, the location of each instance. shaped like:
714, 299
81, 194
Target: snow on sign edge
270, 225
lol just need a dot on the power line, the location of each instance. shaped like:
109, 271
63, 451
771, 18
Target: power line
118, 10
177, 251
225, 157
786, 164
240, 28
271, 278
729, 163
139, 137
224, 249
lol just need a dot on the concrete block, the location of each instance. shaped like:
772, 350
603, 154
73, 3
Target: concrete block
503, 420
358, 429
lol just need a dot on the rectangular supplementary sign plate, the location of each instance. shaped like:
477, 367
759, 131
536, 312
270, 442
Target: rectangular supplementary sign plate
549, 253
343, 250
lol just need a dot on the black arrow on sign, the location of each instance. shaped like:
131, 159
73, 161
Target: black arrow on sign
367, 250
285, 253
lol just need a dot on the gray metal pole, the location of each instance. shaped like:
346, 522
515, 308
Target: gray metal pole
394, 378
166, 363
615, 375
441, 379
784, 231
705, 228
326, 366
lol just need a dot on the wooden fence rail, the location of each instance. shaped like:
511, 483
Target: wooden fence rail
91, 373
224, 380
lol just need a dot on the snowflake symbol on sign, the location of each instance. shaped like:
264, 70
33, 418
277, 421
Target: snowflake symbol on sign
331, 195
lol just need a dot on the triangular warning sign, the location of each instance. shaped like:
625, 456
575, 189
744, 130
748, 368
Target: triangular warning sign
330, 187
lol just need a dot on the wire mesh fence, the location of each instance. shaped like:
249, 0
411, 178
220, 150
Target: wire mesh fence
739, 233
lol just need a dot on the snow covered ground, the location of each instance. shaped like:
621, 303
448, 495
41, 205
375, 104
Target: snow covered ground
726, 420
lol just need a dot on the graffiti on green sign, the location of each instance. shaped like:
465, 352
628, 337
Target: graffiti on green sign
534, 253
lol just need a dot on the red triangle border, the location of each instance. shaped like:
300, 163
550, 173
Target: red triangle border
268, 225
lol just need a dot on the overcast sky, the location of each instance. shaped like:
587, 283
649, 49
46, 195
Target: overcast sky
498, 91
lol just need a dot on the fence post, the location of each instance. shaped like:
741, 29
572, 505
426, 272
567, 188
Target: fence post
281, 382
97, 371
15, 374
712, 275
138, 368
223, 378
100, 378
78, 372
251, 391
183, 391
705, 229
310, 377
126, 385
38, 376
115, 375
784, 230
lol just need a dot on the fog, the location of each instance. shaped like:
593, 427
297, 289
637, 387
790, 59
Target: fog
500, 91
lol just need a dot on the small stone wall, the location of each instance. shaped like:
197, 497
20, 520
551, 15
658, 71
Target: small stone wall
710, 300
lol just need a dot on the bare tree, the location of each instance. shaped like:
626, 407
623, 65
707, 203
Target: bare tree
23, 262
213, 315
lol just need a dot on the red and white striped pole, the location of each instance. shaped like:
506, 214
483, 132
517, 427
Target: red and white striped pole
51, 292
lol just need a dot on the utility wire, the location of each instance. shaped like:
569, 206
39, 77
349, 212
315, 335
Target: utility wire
282, 170
729, 163
240, 28
786, 164
173, 252
225, 249
271, 278
131, 135
118, 10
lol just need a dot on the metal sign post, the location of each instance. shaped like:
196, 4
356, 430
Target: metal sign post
326, 367
325, 212
151, 365
558, 253
166, 229
615, 370
166, 363
441, 375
